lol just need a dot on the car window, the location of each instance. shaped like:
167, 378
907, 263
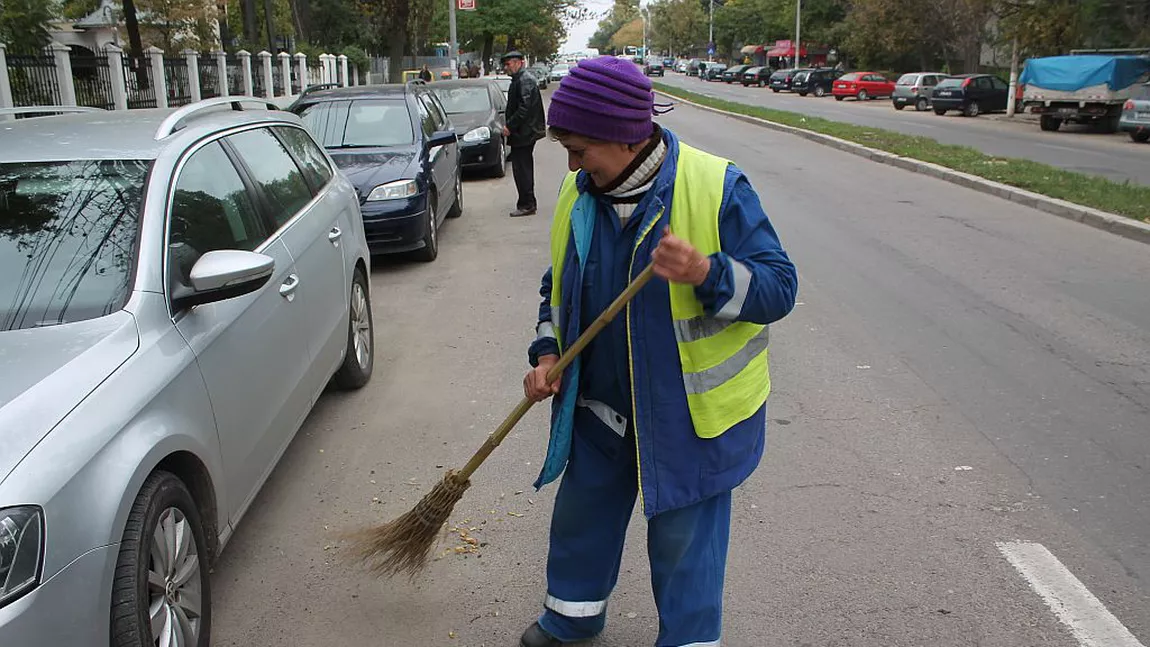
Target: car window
438, 114
275, 171
998, 83
211, 210
67, 239
311, 159
363, 123
908, 79
468, 98
950, 83
425, 117
853, 76
983, 83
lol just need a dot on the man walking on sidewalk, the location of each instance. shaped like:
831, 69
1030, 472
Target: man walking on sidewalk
668, 403
525, 126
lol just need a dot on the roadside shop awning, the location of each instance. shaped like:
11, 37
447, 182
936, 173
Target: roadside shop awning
751, 50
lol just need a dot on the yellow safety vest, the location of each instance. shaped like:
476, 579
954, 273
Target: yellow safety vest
724, 362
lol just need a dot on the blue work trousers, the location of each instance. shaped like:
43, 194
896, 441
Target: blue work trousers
687, 546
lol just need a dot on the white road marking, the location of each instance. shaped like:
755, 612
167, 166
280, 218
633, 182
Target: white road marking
1089, 621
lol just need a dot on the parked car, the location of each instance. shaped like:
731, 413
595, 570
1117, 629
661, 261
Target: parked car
714, 71
559, 71
542, 75
668, 62
973, 94
398, 146
1085, 89
915, 89
504, 83
681, 67
653, 68
862, 86
476, 109
693, 66
184, 286
759, 76
781, 80
817, 81
1136, 114
735, 73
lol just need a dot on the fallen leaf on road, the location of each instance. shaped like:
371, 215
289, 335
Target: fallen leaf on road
514, 514
632, 614
963, 468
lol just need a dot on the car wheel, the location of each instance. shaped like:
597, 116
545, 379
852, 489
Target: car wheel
897, 105
972, 109
1140, 137
839, 97
161, 591
940, 111
360, 357
862, 95
1048, 123
775, 90
802, 94
430, 237
499, 168
820, 92
457, 208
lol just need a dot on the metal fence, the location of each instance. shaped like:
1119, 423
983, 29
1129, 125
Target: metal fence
236, 76
209, 77
92, 77
139, 83
33, 80
258, 85
278, 81
176, 78
295, 80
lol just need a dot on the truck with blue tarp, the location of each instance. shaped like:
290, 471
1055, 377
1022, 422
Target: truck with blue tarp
1085, 89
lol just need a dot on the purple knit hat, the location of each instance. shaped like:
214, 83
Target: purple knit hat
604, 98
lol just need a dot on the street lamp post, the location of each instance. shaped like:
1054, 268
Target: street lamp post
711, 39
454, 53
798, 30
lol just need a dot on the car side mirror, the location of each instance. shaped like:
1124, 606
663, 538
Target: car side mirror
442, 138
224, 274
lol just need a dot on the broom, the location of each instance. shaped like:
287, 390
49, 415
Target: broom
403, 544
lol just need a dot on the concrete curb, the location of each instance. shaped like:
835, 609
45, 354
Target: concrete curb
1113, 223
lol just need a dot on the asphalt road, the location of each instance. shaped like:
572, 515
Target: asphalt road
960, 371
1075, 147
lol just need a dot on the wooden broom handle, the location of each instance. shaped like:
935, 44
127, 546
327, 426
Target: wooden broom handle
565, 360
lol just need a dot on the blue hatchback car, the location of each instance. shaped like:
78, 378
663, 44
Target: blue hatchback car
399, 148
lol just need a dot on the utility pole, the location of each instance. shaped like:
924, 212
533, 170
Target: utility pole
711, 40
1010, 94
798, 30
454, 55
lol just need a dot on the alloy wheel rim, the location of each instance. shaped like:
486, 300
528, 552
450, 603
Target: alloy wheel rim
459, 192
432, 224
360, 326
862, 95
174, 590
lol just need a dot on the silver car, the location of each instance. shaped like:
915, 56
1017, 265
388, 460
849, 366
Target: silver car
1135, 117
914, 89
180, 287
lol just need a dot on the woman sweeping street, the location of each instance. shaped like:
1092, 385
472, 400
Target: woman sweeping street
668, 403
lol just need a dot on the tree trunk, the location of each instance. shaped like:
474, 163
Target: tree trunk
268, 20
251, 35
300, 34
510, 43
135, 45
488, 50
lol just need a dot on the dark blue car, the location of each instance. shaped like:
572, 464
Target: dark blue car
398, 146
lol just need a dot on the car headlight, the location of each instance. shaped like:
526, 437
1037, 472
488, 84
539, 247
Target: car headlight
480, 134
21, 551
393, 191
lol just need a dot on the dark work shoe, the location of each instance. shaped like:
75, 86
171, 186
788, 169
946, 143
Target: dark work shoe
536, 637
518, 213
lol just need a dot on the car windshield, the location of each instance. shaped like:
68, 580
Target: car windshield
853, 76
562, 67
908, 79
364, 123
950, 83
67, 239
801, 76
464, 99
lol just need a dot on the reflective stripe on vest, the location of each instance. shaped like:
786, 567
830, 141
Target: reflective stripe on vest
724, 362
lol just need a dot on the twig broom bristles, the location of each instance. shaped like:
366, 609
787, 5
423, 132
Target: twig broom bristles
403, 544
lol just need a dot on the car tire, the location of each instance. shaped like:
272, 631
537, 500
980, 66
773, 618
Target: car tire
1140, 137
1109, 125
775, 90
359, 360
802, 94
897, 105
1049, 123
862, 95
430, 250
820, 92
940, 111
499, 168
972, 109
921, 105
457, 207
165, 506
839, 97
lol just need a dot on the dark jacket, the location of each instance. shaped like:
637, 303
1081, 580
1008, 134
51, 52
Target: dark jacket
525, 117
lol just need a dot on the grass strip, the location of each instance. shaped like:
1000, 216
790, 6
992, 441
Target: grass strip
1124, 198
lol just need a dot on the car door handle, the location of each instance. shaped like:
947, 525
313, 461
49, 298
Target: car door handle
335, 234
288, 287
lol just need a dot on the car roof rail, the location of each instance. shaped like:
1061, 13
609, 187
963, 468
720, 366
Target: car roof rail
32, 110
410, 82
317, 87
173, 121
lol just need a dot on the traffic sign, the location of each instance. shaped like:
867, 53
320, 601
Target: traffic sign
467, 5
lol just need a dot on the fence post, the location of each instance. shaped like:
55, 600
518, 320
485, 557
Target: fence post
266, 69
159, 81
116, 74
355, 75
329, 65
246, 65
343, 70
5, 82
193, 59
301, 65
222, 72
64, 73
285, 71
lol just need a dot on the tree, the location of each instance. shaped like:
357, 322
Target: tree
24, 25
630, 34
677, 26
174, 25
621, 13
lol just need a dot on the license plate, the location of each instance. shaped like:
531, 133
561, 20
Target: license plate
945, 93
840, 86
1067, 111
1142, 115
900, 99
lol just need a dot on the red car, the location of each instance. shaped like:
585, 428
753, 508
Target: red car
863, 86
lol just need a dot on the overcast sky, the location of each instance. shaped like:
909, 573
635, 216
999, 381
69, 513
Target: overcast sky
578, 35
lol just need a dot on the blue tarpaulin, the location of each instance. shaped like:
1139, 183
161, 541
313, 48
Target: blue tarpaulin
1070, 73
